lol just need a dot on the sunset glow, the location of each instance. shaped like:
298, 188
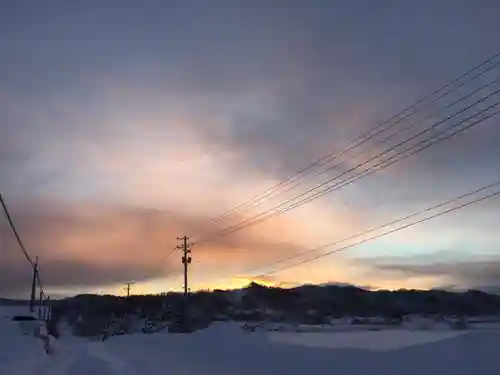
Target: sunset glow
117, 138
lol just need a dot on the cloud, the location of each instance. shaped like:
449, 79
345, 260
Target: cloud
16, 276
483, 272
86, 244
121, 135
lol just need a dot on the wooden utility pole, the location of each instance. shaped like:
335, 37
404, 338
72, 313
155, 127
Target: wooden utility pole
40, 305
33, 286
186, 260
48, 309
128, 287
34, 265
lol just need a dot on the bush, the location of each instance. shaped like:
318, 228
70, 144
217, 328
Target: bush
89, 327
461, 323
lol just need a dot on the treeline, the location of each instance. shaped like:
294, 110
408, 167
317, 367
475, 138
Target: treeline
290, 304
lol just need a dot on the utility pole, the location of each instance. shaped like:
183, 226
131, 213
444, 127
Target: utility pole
186, 260
128, 287
40, 304
128, 303
34, 265
33, 286
47, 310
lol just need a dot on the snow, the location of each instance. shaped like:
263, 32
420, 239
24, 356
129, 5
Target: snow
210, 353
224, 349
73, 358
371, 340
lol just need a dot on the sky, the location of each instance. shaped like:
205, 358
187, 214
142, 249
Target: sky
127, 124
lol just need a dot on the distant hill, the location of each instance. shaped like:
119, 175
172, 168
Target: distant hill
12, 302
306, 303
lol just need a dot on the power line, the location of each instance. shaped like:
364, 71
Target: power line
449, 105
328, 168
412, 150
268, 214
179, 272
381, 127
14, 230
169, 254
166, 257
295, 182
377, 228
491, 195
34, 264
172, 273
373, 229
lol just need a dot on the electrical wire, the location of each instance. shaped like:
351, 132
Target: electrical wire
412, 150
379, 142
33, 264
374, 229
491, 195
169, 254
381, 127
14, 230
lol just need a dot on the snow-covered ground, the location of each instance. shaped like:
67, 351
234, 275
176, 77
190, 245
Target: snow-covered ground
380, 340
224, 349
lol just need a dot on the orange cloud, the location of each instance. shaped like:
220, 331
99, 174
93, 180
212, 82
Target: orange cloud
113, 239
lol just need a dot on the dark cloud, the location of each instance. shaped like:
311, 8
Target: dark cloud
16, 276
327, 70
353, 67
481, 274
